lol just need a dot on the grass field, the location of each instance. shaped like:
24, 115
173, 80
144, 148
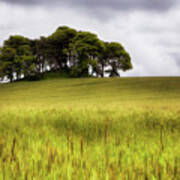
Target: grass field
90, 129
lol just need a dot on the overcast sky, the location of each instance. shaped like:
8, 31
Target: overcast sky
148, 29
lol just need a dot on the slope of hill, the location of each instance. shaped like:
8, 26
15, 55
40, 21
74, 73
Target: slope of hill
70, 129
92, 91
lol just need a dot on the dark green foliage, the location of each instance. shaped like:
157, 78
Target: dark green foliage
67, 51
17, 59
86, 48
117, 58
7, 65
59, 43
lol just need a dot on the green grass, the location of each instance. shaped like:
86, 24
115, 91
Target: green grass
90, 129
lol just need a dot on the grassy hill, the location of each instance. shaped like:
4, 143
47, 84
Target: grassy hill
87, 92
119, 128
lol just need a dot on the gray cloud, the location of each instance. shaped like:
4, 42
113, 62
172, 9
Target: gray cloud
151, 37
176, 56
110, 4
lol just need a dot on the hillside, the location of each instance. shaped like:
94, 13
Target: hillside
90, 129
91, 91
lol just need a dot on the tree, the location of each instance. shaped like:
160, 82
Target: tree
7, 67
16, 41
25, 63
117, 58
86, 49
72, 53
103, 60
59, 43
17, 58
40, 49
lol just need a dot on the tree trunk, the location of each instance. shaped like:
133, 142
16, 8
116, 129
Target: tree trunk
11, 79
102, 73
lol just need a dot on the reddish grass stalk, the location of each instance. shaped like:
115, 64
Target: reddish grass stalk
82, 146
13, 149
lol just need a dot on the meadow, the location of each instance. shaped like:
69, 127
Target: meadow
90, 129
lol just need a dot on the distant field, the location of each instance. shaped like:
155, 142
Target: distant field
83, 129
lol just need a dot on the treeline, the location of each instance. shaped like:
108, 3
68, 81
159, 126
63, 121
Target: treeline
76, 53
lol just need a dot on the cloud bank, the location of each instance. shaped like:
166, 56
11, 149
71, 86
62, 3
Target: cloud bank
148, 29
114, 4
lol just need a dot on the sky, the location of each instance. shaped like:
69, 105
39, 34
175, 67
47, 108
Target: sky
148, 29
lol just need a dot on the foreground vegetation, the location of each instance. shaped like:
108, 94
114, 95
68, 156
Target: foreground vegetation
126, 128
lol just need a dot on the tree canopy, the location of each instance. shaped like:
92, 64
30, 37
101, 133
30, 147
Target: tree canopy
75, 53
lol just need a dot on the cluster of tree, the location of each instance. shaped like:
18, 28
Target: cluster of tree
77, 53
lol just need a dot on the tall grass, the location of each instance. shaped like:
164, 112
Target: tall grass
50, 133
